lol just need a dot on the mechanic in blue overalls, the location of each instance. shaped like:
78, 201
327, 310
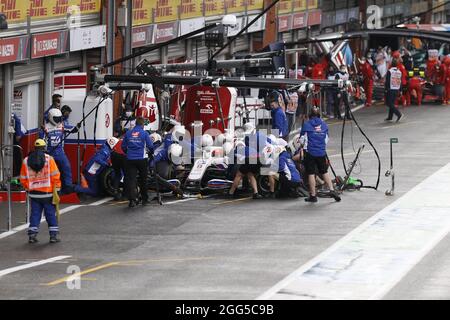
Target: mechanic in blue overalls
279, 120
54, 133
95, 166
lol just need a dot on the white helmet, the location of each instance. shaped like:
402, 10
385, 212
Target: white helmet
207, 140
228, 137
220, 139
156, 137
111, 142
272, 138
249, 128
178, 133
227, 147
281, 142
55, 116
267, 153
296, 143
240, 144
175, 151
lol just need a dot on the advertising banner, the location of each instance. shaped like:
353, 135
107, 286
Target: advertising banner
49, 44
252, 4
191, 9
284, 23
13, 49
299, 20
166, 10
142, 36
284, 6
299, 5
87, 38
166, 31
142, 12
214, 7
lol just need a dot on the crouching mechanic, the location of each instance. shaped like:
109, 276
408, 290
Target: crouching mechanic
314, 138
39, 175
136, 145
95, 167
286, 172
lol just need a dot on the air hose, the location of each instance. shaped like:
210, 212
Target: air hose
347, 106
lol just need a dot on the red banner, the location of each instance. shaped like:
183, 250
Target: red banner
284, 23
166, 31
299, 20
142, 36
49, 44
314, 17
13, 49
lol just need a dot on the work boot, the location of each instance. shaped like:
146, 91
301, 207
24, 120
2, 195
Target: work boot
54, 239
335, 195
117, 196
132, 204
311, 199
32, 239
257, 196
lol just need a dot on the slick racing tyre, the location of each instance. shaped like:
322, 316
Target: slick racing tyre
106, 182
264, 185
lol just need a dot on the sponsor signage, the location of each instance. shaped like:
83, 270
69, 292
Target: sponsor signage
314, 17
87, 38
13, 49
49, 44
284, 23
166, 31
299, 20
190, 25
142, 36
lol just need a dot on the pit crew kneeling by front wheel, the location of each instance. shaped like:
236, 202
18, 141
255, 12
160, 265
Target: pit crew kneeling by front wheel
95, 167
314, 138
283, 170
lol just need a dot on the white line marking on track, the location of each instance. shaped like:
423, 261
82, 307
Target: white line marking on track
74, 207
369, 261
31, 265
100, 202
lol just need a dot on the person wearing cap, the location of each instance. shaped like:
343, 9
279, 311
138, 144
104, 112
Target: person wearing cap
285, 171
314, 138
56, 104
68, 128
137, 145
95, 167
279, 120
40, 177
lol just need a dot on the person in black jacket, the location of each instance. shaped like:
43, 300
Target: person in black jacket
393, 86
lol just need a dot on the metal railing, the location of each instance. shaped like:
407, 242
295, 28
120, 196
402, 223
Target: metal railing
6, 175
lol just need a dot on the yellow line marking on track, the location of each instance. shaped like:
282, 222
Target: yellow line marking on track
232, 201
119, 263
79, 274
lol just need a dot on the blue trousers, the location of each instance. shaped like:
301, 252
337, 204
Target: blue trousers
64, 168
93, 189
37, 206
